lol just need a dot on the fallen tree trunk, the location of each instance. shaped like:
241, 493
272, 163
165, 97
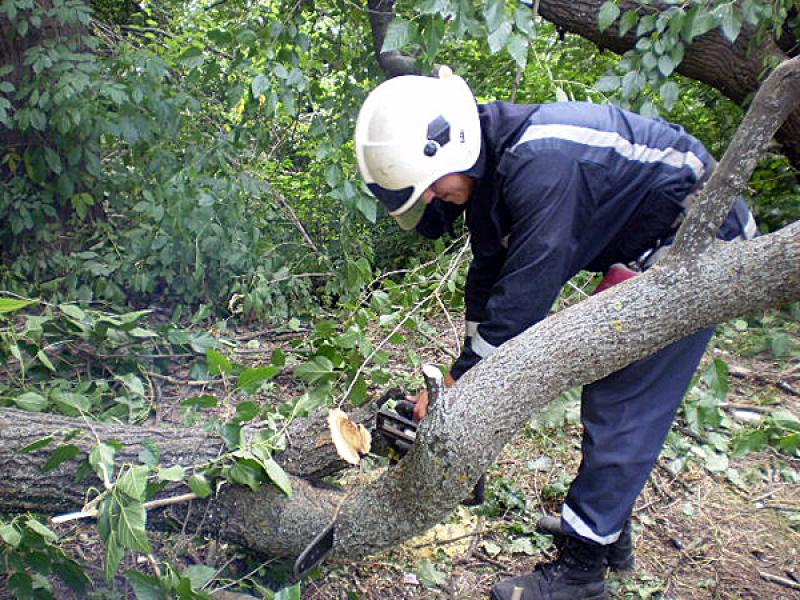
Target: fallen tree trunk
702, 283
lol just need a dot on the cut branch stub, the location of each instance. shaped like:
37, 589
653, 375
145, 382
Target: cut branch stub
352, 440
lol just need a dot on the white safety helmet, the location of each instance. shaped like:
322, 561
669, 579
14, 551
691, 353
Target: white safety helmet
411, 131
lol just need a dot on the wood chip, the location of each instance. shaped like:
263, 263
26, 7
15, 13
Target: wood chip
352, 440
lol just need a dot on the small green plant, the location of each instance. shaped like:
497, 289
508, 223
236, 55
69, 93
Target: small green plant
30, 555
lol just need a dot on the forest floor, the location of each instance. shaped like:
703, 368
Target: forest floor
697, 533
710, 523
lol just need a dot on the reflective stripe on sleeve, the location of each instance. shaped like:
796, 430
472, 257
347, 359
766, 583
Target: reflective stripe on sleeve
610, 139
471, 328
750, 228
480, 346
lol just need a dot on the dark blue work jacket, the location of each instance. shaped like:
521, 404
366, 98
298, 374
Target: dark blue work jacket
560, 188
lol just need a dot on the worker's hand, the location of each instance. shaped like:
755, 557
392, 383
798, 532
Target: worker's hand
421, 399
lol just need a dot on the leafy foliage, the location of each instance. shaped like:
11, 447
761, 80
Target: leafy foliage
198, 158
29, 553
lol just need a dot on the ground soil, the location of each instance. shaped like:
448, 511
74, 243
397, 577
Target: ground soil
697, 536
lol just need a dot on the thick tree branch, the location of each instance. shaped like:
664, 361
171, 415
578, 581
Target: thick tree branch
394, 63
771, 106
734, 69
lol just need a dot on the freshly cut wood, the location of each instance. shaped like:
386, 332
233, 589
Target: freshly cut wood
352, 440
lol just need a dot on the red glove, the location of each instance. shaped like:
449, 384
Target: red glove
617, 273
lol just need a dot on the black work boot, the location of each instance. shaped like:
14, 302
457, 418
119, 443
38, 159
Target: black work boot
620, 553
577, 574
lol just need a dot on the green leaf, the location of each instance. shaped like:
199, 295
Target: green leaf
60, 455
669, 93
150, 454
146, 587
608, 84
260, 86
359, 392
649, 60
192, 57
731, 24
200, 485
114, 553
495, 14
627, 22
779, 344
53, 161
9, 305
31, 401
701, 24
101, 458
317, 369
131, 527
133, 482
367, 206
42, 357
716, 378
785, 420
70, 402
278, 476
245, 472
40, 443
217, 363
429, 575
173, 473
246, 411
204, 401
499, 37
716, 462
231, 434
518, 49
398, 35
72, 311
789, 444
251, 379
200, 575
278, 358
523, 545
746, 442
523, 21
607, 15
47, 534
73, 576
10, 535
665, 65
289, 593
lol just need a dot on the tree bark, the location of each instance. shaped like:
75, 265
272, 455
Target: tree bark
736, 69
466, 430
394, 63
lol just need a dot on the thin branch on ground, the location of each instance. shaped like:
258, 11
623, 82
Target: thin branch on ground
451, 269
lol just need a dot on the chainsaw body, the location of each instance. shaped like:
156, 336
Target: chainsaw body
395, 423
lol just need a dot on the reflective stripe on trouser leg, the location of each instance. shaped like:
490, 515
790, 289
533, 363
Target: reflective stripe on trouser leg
626, 417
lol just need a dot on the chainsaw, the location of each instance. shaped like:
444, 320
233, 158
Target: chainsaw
394, 422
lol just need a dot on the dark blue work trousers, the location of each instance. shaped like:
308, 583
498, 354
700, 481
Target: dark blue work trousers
626, 417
